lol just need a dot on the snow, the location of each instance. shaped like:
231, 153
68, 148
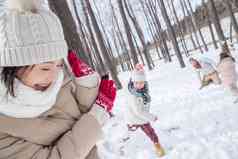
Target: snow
192, 123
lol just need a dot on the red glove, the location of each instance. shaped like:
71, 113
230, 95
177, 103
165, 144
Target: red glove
79, 68
107, 95
107, 89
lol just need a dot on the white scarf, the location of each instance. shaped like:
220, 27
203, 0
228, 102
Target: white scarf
28, 102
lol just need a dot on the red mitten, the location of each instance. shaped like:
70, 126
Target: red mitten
107, 89
107, 95
79, 67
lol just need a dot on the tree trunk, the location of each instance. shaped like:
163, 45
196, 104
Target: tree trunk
161, 34
128, 32
101, 65
122, 42
172, 33
153, 29
155, 40
69, 26
233, 18
183, 42
140, 34
216, 21
196, 25
192, 26
114, 37
138, 48
102, 45
187, 25
88, 52
106, 38
207, 14
231, 31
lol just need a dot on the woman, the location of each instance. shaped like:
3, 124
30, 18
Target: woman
228, 73
206, 70
44, 113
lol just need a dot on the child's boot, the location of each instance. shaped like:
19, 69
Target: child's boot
159, 150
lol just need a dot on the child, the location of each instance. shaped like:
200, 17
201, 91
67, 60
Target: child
44, 113
228, 73
206, 71
138, 115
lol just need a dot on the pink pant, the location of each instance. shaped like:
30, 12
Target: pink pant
148, 130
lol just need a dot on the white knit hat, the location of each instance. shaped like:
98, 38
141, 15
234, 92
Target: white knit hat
30, 34
138, 75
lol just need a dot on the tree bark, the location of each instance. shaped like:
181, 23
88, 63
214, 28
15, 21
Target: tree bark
192, 25
196, 25
207, 14
140, 34
101, 65
122, 42
102, 45
172, 33
69, 26
182, 39
216, 21
187, 25
88, 52
128, 33
233, 18
161, 34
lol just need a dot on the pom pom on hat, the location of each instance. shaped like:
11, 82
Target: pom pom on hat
23, 5
30, 34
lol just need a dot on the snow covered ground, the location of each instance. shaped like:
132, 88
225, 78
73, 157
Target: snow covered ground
192, 123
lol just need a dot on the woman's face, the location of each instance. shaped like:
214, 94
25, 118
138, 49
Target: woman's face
195, 64
40, 76
139, 84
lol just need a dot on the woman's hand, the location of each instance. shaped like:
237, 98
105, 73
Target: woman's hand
79, 67
107, 90
106, 95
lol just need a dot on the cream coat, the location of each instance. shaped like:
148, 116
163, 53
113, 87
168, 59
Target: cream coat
138, 113
66, 131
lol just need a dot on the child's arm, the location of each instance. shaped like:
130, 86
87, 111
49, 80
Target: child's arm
208, 61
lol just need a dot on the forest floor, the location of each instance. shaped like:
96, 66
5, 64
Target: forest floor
193, 123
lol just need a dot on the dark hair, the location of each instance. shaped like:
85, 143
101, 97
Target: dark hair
105, 77
8, 76
192, 59
225, 55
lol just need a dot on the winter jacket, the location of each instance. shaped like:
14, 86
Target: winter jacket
66, 131
207, 67
138, 111
227, 71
